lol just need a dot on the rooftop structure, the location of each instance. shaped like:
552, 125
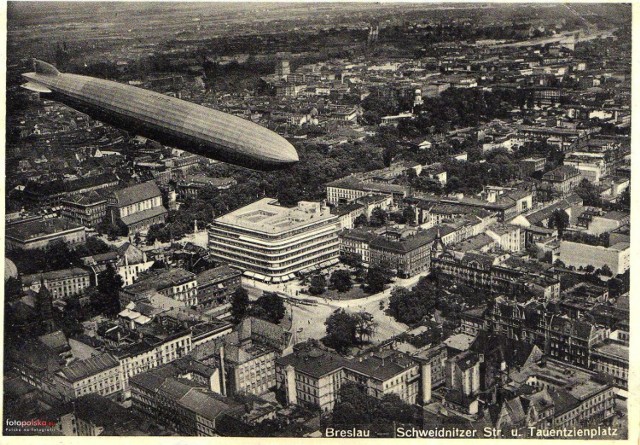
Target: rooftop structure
273, 242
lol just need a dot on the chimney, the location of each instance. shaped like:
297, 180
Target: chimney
223, 386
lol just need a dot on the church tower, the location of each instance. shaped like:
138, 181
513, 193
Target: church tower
44, 306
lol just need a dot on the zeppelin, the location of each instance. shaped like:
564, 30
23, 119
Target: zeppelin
165, 119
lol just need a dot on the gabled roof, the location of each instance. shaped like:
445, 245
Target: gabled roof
575, 328
82, 369
136, 193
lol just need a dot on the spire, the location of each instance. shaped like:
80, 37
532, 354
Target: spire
44, 305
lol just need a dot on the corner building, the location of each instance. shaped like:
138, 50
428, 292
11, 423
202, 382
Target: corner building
271, 242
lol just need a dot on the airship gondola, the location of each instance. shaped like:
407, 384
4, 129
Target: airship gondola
165, 119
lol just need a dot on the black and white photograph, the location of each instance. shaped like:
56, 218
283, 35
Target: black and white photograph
318, 220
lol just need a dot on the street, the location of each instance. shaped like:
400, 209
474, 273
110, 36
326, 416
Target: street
309, 320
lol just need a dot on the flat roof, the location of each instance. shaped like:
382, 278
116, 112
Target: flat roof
266, 216
154, 280
613, 349
34, 229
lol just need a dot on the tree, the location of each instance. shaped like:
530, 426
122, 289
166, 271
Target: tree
318, 284
378, 217
350, 408
354, 407
108, 295
341, 280
606, 271
361, 220
270, 307
239, 304
559, 220
12, 289
365, 325
341, 330
412, 306
589, 193
351, 259
409, 214
378, 275
60, 256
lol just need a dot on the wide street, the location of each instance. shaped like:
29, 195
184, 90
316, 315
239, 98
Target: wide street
308, 320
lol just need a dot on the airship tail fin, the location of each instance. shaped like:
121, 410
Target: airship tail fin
41, 67
37, 87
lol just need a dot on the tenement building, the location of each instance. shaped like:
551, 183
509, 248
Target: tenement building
177, 284
61, 283
272, 242
313, 376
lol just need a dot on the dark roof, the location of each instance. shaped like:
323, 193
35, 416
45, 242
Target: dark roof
85, 368
515, 353
408, 244
143, 215
563, 400
217, 274
366, 186
160, 279
561, 173
100, 411
466, 360
136, 193
575, 328
546, 212
34, 229
204, 402
484, 260
358, 234
54, 275
314, 361
382, 365
346, 209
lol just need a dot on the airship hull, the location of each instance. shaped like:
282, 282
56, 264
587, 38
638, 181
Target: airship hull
169, 120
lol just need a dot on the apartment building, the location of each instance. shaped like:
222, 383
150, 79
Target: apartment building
313, 376
616, 257
562, 180
177, 284
61, 283
247, 356
215, 286
99, 374
611, 357
87, 209
349, 189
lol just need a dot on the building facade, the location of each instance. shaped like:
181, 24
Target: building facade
38, 234
177, 284
137, 207
272, 243
215, 286
61, 283
88, 209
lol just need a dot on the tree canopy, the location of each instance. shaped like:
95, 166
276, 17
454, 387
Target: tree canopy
341, 280
239, 304
269, 307
345, 329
